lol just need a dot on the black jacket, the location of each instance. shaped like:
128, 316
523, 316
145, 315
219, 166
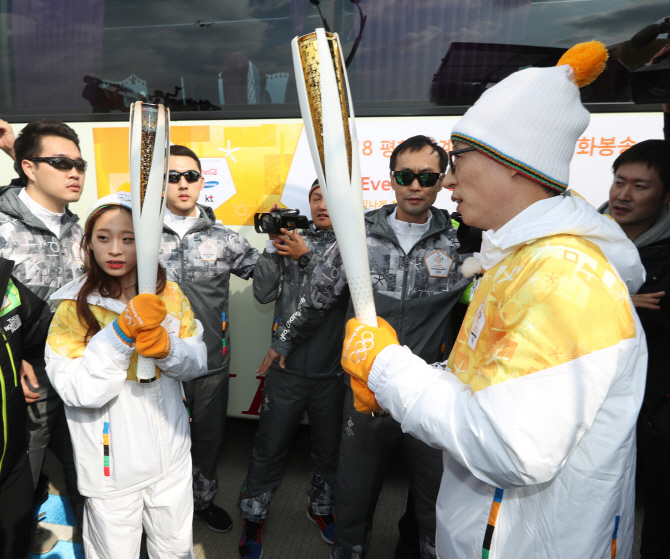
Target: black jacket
280, 279
410, 291
655, 411
24, 323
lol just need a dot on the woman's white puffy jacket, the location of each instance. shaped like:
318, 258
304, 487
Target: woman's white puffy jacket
125, 435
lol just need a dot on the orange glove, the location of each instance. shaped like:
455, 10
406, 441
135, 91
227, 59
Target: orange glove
144, 312
362, 343
153, 343
364, 398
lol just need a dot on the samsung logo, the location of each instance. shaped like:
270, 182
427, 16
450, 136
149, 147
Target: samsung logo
210, 184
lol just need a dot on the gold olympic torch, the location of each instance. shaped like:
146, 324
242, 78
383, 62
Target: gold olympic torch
328, 114
149, 164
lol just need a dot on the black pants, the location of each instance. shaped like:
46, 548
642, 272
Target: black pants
653, 461
16, 511
286, 398
47, 427
207, 400
367, 447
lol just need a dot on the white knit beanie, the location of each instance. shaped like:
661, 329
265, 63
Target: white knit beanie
531, 120
117, 199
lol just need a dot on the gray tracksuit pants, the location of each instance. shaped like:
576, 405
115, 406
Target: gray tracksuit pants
207, 400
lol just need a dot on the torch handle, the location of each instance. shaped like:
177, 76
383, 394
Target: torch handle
364, 307
146, 369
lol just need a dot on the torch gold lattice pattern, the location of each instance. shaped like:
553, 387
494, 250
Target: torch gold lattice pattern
149, 118
309, 56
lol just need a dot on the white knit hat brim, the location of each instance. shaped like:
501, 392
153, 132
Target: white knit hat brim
116, 199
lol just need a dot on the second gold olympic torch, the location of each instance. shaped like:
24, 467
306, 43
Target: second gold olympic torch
149, 164
328, 114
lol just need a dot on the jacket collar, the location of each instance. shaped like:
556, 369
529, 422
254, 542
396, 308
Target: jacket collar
11, 204
205, 220
377, 223
207, 216
71, 289
321, 234
657, 232
566, 214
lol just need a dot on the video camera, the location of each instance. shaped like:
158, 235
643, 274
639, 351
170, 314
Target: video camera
273, 222
651, 84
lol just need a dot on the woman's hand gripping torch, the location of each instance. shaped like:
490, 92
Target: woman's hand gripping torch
149, 164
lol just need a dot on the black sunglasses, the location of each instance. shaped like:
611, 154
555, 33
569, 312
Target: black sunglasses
457, 152
405, 178
190, 176
63, 163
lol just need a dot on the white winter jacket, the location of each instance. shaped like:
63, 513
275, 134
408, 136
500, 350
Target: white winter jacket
537, 405
125, 435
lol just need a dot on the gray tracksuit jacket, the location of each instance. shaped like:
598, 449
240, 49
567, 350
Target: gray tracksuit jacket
201, 263
280, 279
414, 292
43, 262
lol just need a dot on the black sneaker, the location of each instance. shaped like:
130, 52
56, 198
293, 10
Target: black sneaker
42, 540
215, 517
250, 542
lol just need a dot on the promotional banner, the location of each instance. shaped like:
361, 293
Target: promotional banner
245, 167
250, 166
590, 172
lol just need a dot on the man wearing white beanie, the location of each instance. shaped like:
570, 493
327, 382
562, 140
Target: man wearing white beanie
536, 407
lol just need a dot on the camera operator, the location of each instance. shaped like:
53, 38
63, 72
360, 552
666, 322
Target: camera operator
309, 379
638, 202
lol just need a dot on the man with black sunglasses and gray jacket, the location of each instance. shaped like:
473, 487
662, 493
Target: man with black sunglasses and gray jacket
200, 255
417, 281
42, 237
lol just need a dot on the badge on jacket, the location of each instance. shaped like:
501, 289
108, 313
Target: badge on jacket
438, 264
477, 327
208, 251
172, 324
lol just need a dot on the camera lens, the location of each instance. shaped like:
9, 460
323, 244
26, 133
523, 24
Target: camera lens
267, 223
651, 84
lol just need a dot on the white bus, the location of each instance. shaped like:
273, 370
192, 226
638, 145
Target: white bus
224, 68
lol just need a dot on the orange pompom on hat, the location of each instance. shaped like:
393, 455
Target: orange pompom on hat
531, 120
587, 61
